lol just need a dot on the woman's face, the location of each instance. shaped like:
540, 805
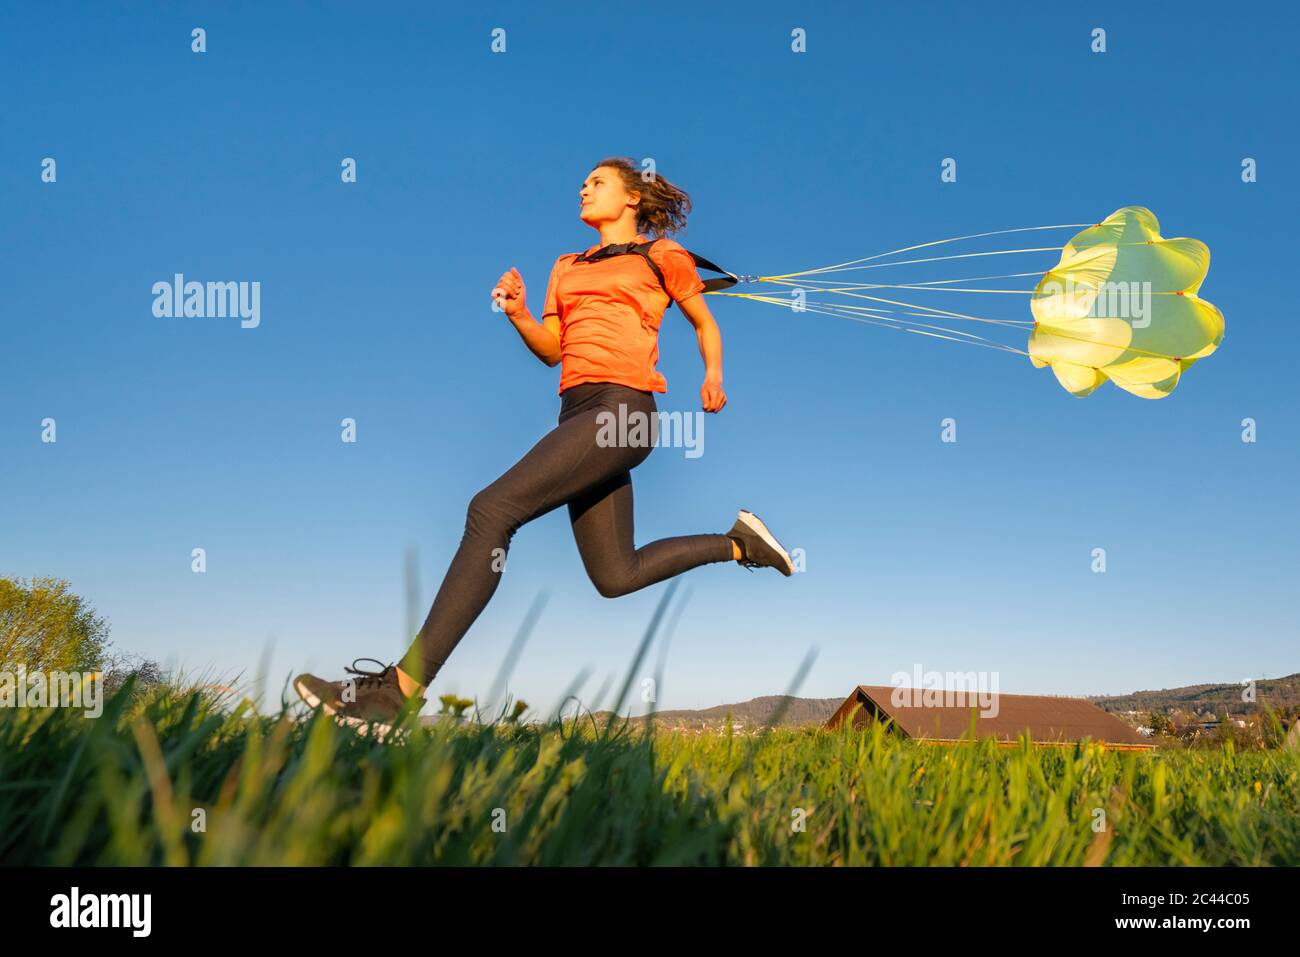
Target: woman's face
604, 199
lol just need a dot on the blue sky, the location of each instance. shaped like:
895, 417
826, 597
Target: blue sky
181, 433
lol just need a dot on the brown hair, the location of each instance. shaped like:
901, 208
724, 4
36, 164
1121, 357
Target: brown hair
663, 206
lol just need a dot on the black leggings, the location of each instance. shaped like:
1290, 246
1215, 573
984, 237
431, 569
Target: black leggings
568, 465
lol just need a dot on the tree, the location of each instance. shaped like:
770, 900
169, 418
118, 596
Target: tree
45, 627
1160, 724
148, 673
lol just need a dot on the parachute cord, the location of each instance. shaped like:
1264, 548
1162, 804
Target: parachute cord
829, 309
920, 286
930, 309
926, 259
921, 329
1005, 275
939, 242
904, 325
827, 285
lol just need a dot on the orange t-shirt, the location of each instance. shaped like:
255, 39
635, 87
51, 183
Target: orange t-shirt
610, 312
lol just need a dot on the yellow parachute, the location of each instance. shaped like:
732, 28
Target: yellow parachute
1122, 305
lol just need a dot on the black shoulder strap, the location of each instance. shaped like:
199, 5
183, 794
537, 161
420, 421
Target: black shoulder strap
726, 280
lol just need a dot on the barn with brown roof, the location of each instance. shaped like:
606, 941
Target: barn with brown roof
945, 716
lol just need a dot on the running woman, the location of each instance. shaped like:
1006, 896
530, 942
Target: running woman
600, 324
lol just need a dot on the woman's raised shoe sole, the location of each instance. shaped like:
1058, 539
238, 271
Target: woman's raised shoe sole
759, 546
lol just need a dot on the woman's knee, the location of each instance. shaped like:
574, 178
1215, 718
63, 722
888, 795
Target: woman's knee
613, 582
488, 514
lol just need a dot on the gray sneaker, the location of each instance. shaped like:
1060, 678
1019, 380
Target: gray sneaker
759, 547
371, 701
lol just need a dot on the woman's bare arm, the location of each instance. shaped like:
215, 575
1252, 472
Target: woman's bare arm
710, 337
543, 339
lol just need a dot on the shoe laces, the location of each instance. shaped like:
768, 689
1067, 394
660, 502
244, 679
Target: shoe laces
369, 677
745, 560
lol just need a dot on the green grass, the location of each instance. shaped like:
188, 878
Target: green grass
280, 789
132, 787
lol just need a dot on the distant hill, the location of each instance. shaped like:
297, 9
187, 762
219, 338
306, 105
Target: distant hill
1217, 699
1282, 694
750, 714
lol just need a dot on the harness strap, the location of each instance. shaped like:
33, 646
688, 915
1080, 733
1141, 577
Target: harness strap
724, 281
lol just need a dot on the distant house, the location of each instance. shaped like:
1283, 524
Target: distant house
946, 716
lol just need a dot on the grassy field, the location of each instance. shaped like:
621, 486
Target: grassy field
170, 778
178, 777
